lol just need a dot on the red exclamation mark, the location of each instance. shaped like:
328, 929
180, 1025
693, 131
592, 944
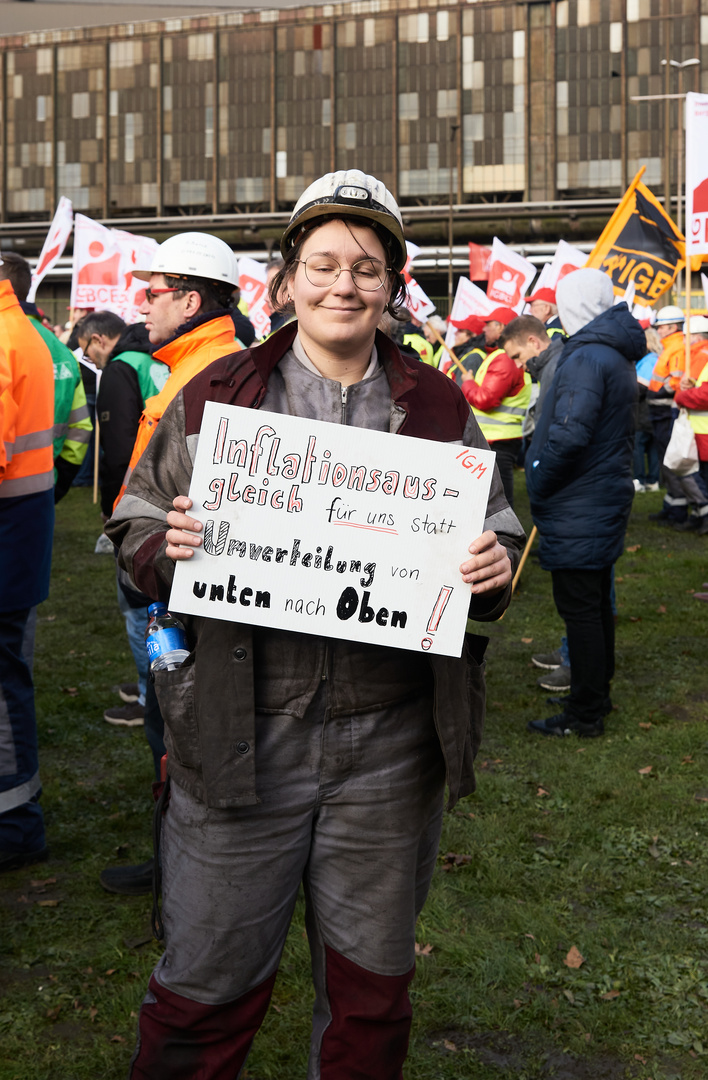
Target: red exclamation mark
436, 615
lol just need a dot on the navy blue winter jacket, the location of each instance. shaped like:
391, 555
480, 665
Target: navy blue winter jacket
578, 467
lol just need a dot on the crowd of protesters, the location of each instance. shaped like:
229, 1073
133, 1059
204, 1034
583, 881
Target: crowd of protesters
576, 391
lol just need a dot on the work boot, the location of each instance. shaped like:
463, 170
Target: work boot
128, 880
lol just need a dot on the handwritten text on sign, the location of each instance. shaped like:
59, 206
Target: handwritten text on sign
334, 531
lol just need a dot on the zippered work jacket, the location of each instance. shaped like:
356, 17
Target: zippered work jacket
202, 341
27, 482
209, 704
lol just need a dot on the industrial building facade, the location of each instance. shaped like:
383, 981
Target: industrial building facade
488, 101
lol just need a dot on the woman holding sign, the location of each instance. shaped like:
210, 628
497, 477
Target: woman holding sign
295, 758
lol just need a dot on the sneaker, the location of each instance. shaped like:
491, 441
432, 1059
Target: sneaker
130, 692
651, 487
131, 715
639, 486
689, 525
128, 880
15, 860
702, 529
556, 680
549, 661
561, 725
662, 517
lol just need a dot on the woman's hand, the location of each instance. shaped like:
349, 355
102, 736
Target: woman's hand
181, 538
489, 569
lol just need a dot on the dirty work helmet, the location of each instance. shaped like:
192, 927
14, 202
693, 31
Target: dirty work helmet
194, 254
349, 193
668, 315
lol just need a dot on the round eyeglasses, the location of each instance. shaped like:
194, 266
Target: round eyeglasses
323, 270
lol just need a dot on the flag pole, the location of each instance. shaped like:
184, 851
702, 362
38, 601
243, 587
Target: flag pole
446, 347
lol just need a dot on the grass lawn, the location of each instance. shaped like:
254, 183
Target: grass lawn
566, 934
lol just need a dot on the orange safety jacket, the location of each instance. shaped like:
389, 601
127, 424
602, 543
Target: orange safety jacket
185, 356
670, 366
27, 403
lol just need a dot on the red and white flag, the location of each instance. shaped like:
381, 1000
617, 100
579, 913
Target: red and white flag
696, 174
565, 260
510, 275
54, 245
416, 302
469, 300
479, 262
253, 283
104, 260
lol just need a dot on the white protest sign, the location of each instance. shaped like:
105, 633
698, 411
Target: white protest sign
54, 245
469, 300
696, 174
332, 530
510, 275
416, 302
253, 283
704, 283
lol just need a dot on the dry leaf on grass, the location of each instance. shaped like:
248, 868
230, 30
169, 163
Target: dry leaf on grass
117, 1038
610, 995
633, 548
574, 959
646, 770
48, 903
423, 950
644, 725
527, 640
541, 792
661, 610
635, 618
449, 1045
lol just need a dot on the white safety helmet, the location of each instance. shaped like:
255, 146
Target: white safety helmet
349, 193
194, 254
698, 324
669, 314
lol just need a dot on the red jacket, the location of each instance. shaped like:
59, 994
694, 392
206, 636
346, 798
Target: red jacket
696, 398
502, 379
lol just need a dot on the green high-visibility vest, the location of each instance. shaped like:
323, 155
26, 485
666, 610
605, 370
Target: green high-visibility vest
72, 422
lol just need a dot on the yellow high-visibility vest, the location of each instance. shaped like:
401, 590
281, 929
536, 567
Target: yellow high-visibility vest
505, 421
699, 417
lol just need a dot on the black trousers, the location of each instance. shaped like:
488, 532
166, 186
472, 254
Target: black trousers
507, 451
583, 600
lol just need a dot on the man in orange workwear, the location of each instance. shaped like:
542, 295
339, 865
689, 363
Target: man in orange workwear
26, 530
664, 383
188, 319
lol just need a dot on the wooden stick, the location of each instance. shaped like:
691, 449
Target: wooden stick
446, 347
523, 559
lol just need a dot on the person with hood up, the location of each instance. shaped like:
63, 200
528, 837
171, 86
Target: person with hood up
579, 478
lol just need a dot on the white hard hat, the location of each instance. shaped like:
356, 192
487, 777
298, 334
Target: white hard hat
668, 315
194, 254
698, 324
349, 193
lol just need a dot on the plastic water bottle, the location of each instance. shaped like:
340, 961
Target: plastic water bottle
165, 639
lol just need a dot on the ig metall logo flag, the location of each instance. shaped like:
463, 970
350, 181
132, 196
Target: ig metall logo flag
640, 244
